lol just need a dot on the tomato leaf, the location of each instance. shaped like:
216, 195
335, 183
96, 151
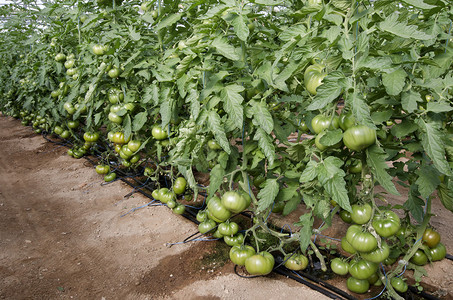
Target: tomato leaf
240, 28
414, 204
331, 137
224, 48
419, 3
291, 205
267, 194
214, 124
326, 93
268, 2
266, 144
215, 179
168, 21
432, 142
310, 172
409, 100
438, 107
375, 158
391, 24
233, 103
427, 181
446, 195
127, 126
394, 81
361, 110
404, 128
139, 121
262, 116
305, 233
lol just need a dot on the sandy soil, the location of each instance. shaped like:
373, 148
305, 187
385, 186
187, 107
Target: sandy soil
63, 236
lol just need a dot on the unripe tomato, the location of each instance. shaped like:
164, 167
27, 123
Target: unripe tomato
296, 262
378, 255
114, 72
217, 210
362, 269
158, 133
359, 137
438, 252
134, 145
240, 253
234, 202
213, 145
347, 120
431, 237
386, 223
60, 57
179, 209
361, 240
399, 284
99, 49
359, 286
321, 122
361, 213
339, 266
260, 264
419, 258
110, 177
235, 240
228, 228
179, 185
313, 77
206, 226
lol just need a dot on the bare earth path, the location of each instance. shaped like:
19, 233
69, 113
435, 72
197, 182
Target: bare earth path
62, 236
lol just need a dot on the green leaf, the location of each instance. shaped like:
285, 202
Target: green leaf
377, 163
240, 28
305, 233
415, 205
336, 188
291, 205
419, 4
135, 36
427, 181
310, 172
405, 128
331, 137
361, 110
381, 116
139, 121
215, 179
434, 146
409, 100
394, 81
438, 107
391, 24
166, 111
266, 144
216, 128
168, 21
326, 93
233, 103
262, 116
224, 48
267, 194
288, 192
268, 2
127, 126
446, 195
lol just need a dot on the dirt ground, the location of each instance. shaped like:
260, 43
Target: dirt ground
63, 236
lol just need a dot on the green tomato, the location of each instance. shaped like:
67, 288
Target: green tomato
361, 214
362, 269
386, 223
362, 241
240, 253
60, 57
260, 264
399, 284
69, 64
179, 185
346, 216
378, 255
296, 262
431, 237
102, 169
58, 130
110, 177
99, 49
321, 122
359, 137
346, 246
158, 133
114, 72
134, 145
234, 202
213, 145
419, 258
114, 118
359, 286
65, 134
228, 228
206, 226
202, 216
179, 209
313, 77
355, 166
322, 147
235, 240
218, 211
438, 252
339, 266
347, 120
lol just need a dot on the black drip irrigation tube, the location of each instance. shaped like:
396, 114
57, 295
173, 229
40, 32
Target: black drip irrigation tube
190, 213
